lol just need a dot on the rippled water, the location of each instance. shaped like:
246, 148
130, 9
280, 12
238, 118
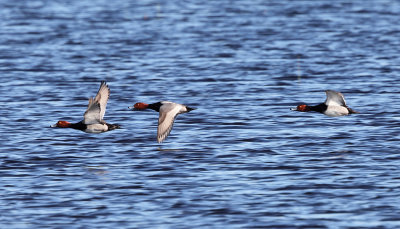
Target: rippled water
242, 159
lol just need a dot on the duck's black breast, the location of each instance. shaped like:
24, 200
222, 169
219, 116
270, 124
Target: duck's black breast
321, 108
79, 126
155, 106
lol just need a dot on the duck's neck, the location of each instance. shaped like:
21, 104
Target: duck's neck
321, 108
155, 106
78, 126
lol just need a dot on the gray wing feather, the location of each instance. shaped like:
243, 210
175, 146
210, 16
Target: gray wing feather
92, 114
102, 98
97, 106
168, 113
334, 98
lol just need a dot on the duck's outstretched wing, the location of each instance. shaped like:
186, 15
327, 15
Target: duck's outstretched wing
168, 113
102, 98
334, 98
97, 105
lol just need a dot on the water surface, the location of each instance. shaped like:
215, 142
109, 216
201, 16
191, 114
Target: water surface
242, 159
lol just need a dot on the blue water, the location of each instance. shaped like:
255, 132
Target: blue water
242, 159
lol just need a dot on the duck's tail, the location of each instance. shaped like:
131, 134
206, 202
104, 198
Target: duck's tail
351, 111
113, 126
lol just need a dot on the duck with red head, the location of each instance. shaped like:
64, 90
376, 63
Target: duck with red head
141, 106
93, 118
62, 124
302, 108
334, 105
168, 111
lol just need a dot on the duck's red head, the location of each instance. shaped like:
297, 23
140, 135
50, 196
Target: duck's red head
141, 106
63, 124
302, 108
